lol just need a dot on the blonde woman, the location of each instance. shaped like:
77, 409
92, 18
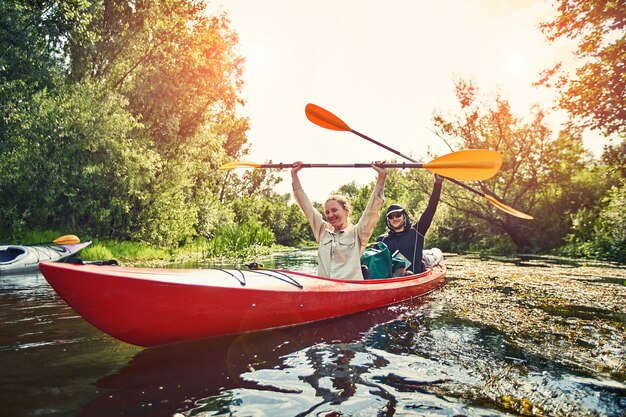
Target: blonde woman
341, 243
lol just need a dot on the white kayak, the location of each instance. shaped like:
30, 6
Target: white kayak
17, 259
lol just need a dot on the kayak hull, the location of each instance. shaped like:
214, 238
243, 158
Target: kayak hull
150, 307
19, 259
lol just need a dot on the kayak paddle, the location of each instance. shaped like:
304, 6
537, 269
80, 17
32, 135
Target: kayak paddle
326, 119
470, 164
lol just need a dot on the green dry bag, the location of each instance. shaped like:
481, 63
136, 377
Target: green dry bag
378, 260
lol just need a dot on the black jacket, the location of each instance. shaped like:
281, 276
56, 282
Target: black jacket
410, 242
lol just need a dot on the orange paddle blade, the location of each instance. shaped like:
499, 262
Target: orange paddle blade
66, 240
508, 209
324, 118
470, 164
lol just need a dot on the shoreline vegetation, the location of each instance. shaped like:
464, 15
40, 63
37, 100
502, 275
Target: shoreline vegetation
237, 245
230, 245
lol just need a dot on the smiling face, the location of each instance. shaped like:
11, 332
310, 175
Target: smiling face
396, 220
336, 214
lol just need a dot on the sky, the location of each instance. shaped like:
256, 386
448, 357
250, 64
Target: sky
383, 67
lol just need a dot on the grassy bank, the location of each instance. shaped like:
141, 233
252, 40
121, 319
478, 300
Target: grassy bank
233, 243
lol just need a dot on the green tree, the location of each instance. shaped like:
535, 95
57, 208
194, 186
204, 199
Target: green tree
610, 227
75, 162
32, 66
286, 220
536, 167
594, 94
614, 159
178, 66
168, 64
33, 37
597, 230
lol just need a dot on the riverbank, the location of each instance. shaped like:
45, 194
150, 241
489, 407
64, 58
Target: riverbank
136, 254
229, 244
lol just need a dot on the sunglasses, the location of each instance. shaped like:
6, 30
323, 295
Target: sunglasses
394, 215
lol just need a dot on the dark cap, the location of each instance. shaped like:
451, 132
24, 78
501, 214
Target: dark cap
394, 207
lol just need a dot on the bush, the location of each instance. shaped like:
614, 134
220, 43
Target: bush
238, 240
600, 234
610, 227
96, 252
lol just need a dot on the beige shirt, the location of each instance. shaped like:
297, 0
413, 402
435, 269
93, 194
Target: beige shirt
339, 253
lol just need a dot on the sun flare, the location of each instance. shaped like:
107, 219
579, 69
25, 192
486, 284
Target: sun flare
255, 55
516, 63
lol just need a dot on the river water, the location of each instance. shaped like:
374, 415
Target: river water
417, 358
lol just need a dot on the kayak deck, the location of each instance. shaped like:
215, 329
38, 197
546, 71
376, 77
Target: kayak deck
149, 307
17, 259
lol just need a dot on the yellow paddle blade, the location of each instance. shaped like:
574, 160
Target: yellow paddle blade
324, 118
508, 209
66, 240
470, 164
240, 164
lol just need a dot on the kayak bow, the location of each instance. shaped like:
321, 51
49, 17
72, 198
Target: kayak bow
22, 259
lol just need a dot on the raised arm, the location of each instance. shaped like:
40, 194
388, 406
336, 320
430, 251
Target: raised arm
313, 216
427, 216
369, 218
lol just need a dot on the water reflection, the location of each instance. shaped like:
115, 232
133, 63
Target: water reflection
444, 367
428, 362
49, 356
173, 378
358, 378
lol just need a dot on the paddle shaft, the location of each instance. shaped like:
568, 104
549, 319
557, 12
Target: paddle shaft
358, 165
470, 164
408, 158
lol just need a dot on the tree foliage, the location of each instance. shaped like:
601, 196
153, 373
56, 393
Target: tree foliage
33, 37
600, 232
594, 93
178, 66
119, 113
75, 163
537, 168
598, 229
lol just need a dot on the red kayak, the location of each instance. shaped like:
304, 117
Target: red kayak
150, 307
